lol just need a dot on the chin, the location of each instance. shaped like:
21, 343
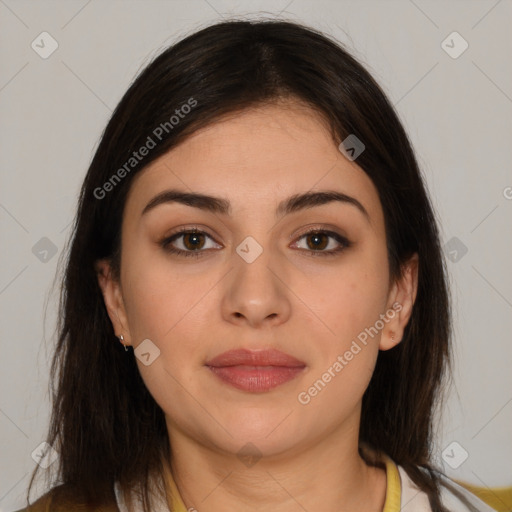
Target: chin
268, 434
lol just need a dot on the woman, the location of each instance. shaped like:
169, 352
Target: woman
254, 226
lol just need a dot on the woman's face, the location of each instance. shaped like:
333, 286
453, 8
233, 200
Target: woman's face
254, 279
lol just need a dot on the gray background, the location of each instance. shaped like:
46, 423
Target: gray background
456, 110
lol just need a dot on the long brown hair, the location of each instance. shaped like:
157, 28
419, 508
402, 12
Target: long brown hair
104, 423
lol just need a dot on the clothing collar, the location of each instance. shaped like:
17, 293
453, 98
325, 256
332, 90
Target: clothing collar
393, 486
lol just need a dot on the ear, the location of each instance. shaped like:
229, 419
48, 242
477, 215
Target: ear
401, 299
112, 296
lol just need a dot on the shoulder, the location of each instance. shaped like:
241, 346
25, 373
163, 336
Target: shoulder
48, 503
453, 496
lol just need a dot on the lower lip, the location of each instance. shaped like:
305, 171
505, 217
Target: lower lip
256, 378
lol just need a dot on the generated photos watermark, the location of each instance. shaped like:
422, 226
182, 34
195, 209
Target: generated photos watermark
305, 397
157, 135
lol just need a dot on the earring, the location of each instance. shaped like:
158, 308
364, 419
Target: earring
393, 336
121, 339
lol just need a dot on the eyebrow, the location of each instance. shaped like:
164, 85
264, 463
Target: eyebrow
218, 205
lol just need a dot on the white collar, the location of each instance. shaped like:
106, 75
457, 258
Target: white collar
415, 500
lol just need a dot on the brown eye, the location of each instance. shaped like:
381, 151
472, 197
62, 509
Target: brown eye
317, 241
189, 242
193, 240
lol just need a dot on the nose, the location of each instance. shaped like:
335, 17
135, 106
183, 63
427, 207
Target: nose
256, 293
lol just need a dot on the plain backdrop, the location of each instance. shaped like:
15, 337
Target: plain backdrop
455, 102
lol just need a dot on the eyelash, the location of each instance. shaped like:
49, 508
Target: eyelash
345, 243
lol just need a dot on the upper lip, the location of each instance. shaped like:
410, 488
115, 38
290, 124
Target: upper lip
262, 357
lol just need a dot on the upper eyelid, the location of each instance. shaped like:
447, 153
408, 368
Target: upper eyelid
186, 231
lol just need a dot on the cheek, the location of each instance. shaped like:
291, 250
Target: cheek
346, 353
349, 299
161, 300
349, 303
169, 307
173, 305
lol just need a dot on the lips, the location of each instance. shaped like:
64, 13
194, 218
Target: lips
255, 370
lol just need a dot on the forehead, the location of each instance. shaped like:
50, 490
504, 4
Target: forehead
255, 158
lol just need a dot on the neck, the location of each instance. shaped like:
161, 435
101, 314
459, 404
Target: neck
328, 476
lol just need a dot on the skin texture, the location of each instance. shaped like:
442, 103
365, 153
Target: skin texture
309, 306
